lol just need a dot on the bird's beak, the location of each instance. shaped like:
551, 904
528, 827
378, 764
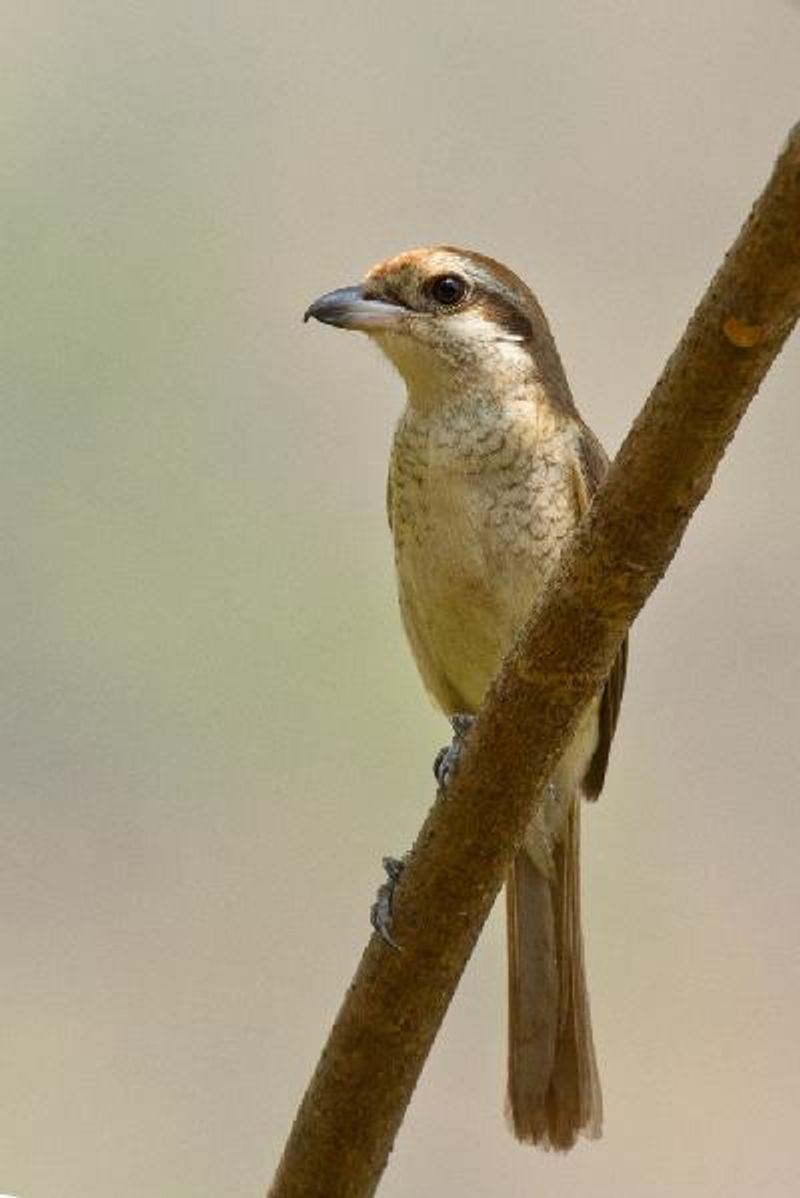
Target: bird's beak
350, 308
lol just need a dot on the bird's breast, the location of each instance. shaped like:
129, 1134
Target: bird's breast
480, 506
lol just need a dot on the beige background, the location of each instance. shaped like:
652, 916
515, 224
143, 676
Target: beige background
212, 729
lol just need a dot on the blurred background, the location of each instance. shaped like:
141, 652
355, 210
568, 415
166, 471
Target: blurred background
212, 729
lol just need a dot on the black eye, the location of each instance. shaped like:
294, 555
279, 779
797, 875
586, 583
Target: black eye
447, 289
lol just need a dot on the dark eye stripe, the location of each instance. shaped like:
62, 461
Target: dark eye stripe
388, 296
505, 315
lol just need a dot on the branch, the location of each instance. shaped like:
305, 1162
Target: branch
354, 1105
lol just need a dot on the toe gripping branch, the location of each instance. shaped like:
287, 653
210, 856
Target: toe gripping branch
444, 766
446, 760
381, 914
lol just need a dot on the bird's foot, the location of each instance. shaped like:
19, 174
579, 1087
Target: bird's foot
381, 914
446, 760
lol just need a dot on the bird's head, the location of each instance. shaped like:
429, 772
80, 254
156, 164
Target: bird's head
444, 316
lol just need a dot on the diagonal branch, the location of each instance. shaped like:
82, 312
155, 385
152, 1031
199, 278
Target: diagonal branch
354, 1105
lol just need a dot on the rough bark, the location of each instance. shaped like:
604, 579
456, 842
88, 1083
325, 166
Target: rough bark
354, 1105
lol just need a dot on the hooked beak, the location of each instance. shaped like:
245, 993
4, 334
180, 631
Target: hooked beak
350, 308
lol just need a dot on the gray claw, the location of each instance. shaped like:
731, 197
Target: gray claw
446, 760
380, 915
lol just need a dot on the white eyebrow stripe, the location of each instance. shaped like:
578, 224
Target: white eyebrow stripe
492, 283
477, 272
483, 277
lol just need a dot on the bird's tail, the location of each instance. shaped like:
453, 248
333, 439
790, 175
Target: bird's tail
553, 1086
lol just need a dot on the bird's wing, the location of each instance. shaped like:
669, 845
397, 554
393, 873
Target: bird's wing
594, 465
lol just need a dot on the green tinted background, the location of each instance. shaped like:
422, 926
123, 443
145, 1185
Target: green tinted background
212, 729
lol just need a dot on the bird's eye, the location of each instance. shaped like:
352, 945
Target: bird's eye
448, 289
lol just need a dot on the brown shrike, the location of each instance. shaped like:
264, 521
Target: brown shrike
491, 469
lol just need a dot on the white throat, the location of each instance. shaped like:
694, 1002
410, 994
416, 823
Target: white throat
467, 355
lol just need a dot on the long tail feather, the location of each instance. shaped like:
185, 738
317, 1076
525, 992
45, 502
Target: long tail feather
553, 1085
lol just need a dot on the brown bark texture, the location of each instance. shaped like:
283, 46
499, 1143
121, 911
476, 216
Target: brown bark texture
354, 1105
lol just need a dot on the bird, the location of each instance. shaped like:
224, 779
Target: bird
491, 470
